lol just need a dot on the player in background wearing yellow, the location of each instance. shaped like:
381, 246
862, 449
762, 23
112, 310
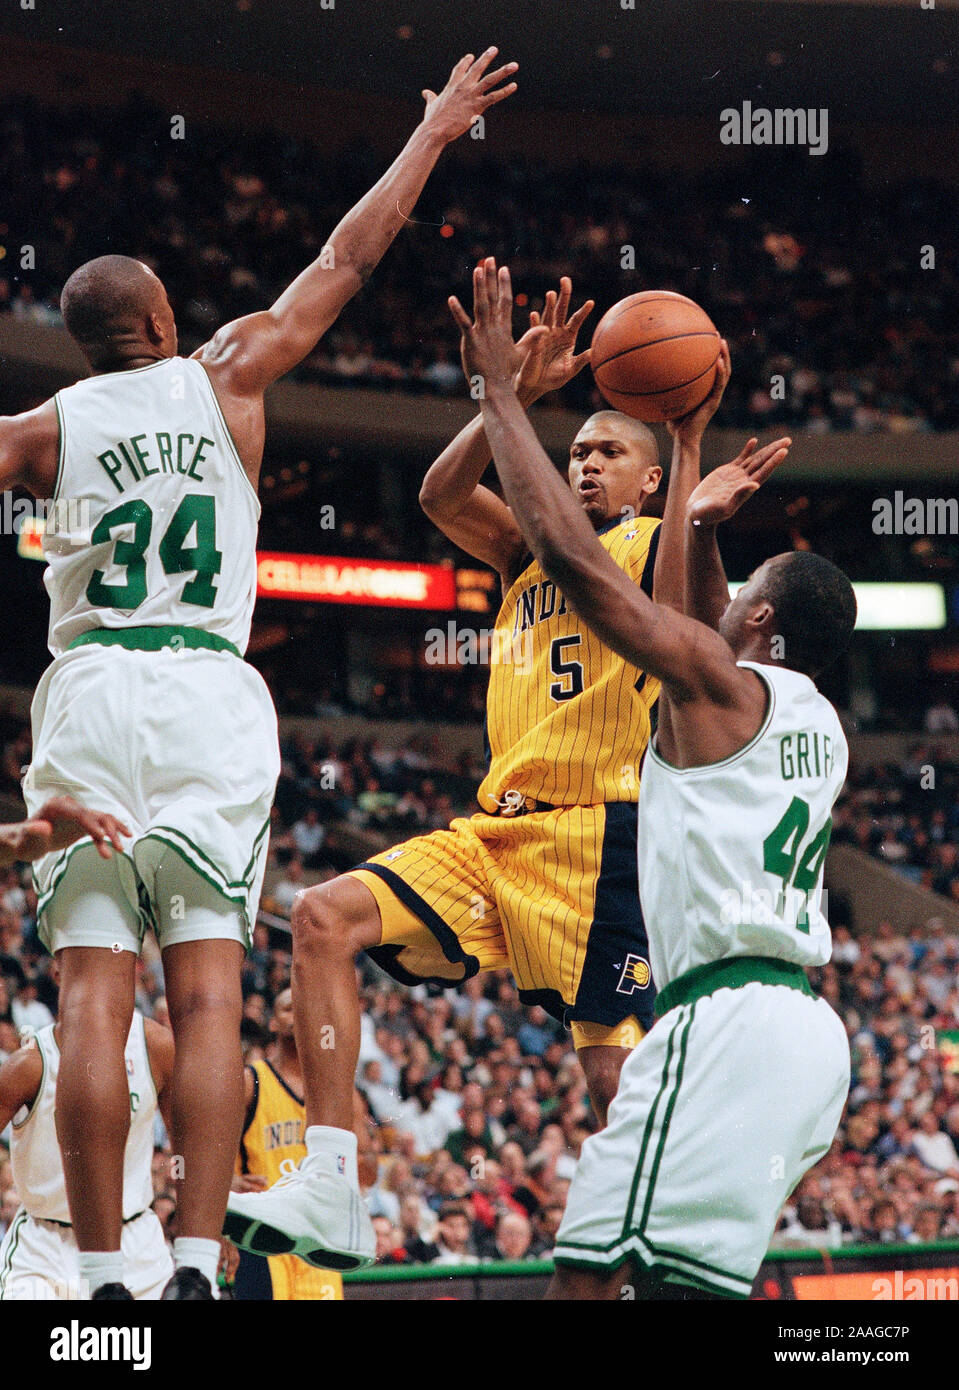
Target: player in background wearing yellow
148, 709
273, 1143
542, 880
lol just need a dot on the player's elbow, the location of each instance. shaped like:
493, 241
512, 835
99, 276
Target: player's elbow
430, 499
436, 502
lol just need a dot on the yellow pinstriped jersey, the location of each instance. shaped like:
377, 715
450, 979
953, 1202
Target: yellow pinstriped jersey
273, 1140
273, 1143
567, 719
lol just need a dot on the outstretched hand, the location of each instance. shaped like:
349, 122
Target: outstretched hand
490, 357
58, 823
550, 359
723, 491
469, 92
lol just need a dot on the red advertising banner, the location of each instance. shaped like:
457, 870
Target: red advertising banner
335, 579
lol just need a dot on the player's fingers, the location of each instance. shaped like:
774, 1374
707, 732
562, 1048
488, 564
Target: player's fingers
772, 463
461, 67
535, 340
501, 93
579, 362
534, 318
480, 294
493, 78
491, 274
479, 66
746, 451
760, 459
581, 315
460, 316
427, 95
549, 309
504, 298
114, 829
563, 298
721, 378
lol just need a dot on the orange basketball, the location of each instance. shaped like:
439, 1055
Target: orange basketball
654, 355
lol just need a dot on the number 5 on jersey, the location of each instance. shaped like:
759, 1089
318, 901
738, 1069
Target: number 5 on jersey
569, 672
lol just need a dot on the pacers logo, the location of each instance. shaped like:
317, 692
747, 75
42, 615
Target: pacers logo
636, 975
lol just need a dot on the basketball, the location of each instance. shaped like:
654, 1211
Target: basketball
654, 355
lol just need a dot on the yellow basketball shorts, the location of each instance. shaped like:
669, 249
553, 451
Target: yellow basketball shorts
552, 896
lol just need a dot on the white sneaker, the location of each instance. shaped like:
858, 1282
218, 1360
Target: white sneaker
310, 1212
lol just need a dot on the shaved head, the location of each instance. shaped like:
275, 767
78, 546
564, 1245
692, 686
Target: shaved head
613, 466
628, 428
117, 310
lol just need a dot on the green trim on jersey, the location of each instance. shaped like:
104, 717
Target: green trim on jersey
732, 972
14, 1240
733, 757
155, 639
650, 1122
664, 1133
60, 867
61, 447
593, 1259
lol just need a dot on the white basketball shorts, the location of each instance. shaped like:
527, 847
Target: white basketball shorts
721, 1109
40, 1259
182, 745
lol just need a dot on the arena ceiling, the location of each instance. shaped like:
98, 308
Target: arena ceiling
867, 60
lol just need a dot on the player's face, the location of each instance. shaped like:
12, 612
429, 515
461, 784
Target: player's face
733, 623
283, 1015
609, 473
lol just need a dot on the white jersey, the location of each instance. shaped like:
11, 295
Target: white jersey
155, 519
731, 855
35, 1153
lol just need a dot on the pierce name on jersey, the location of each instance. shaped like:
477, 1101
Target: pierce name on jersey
180, 453
169, 514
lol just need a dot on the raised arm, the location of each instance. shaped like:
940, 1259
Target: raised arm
714, 500
252, 352
687, 656
669, 579
471, 515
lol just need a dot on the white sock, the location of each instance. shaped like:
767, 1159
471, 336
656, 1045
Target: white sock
193, 1253
99, 1267
335, 1151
